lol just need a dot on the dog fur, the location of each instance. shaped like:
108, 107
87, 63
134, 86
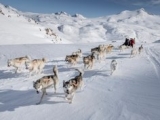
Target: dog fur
109, 48
140, 49
99, 52
113, 66
18, 62
89, 61
72, 59
46, 82
35, 66
96, 49
70, 87
79, 53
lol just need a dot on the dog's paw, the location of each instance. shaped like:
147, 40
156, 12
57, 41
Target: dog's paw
66, 98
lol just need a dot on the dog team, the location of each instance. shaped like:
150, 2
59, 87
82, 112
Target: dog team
70, 87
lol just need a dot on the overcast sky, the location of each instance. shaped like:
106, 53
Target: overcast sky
88, 8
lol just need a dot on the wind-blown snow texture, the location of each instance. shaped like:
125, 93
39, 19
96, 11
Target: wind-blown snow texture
131, 93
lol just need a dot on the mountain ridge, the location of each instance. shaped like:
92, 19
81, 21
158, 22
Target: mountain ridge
76, 28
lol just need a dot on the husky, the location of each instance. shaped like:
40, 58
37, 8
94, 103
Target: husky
18, 62
89, 61
45, 82
140, 49
133, 52
113, 66
71, 86
35, 66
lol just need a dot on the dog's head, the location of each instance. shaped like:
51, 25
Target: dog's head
37, 85
10, 63
114, 63
67, 57
67, 86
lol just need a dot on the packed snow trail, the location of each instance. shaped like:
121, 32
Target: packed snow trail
153, 57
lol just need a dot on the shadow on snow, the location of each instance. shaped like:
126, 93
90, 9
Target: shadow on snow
12, 99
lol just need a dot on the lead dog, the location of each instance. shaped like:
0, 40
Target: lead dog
46, 82
71, 86
18, 62
35, 66
113, 66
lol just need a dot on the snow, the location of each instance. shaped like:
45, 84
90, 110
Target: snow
131, 93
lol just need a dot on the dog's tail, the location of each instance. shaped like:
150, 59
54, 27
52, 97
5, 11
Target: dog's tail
29, 57
55, 71
81, 72
80, 50
44, 59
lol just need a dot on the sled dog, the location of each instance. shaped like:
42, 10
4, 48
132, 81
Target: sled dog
18, 62
140, 49
35, 66
89, 61
71, 86
45, 82
113, 66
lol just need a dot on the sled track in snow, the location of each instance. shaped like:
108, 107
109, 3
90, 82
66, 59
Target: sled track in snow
152, 56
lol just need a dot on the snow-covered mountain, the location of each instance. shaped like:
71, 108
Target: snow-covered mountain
78, 29
134, 24
131, 93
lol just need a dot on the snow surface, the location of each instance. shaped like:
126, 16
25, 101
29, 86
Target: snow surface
131, 93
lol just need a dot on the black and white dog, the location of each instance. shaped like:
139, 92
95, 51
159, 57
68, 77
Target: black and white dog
70, 87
